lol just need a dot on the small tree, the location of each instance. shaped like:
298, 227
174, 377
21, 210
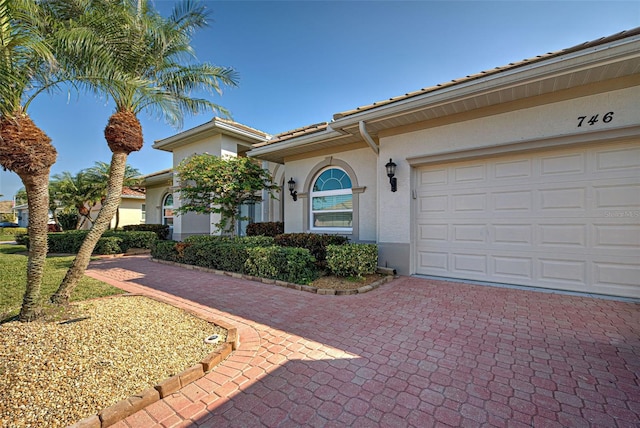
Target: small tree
209, 184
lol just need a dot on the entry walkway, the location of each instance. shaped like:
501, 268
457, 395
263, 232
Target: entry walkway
414, 352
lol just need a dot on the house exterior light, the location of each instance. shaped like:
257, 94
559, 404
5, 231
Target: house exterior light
391, 172
292, 191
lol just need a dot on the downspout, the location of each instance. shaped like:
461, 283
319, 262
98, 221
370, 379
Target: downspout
367, 137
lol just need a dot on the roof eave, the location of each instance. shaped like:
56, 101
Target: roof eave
271, 152
213, 127
557, 65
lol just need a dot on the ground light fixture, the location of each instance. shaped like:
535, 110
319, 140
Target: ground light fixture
292, 186
391, 172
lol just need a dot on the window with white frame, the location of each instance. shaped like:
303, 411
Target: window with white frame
167, 210
331, 199
143, 214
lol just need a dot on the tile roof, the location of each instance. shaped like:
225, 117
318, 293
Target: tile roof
241, 126
511, 66
298, 132
136, 192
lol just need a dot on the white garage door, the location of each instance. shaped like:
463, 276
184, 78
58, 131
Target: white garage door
564, 219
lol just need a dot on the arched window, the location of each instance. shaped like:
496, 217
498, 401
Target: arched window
167, 210
332, 201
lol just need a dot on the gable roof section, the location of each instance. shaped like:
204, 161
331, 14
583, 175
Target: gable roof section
591, 62
215, 126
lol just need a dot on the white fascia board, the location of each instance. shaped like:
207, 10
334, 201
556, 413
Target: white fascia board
186, 137
570, 62
295, 142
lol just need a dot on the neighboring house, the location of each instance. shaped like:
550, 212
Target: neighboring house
7, 211
131, 210
22, 213
218, 137
526, 174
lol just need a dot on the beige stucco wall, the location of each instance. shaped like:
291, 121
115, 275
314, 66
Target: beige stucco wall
540, 122
364, 164
130, 212
153, 203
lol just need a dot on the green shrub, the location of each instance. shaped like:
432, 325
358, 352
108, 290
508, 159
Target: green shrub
352, 259
133, 239
12, 230
161, 230
267, 228
315, 243
295, 265
215, 239
70, 241
108, 245
22, 239
165, 250
66, 242
226, 256
68, 221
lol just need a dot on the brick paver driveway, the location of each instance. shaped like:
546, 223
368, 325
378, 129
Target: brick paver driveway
414, 352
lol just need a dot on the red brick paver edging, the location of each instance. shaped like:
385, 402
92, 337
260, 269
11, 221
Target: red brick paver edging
413, 353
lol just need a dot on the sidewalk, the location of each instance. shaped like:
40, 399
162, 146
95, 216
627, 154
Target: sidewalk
414, 352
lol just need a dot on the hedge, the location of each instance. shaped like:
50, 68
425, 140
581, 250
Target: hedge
315, 243
352, 259
295, 265
161, 230
267, 228
70, 242
12, 230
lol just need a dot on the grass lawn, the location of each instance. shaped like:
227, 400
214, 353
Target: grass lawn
7, 237
13, 278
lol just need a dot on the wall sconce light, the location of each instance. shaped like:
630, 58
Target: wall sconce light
391, 172
292, 186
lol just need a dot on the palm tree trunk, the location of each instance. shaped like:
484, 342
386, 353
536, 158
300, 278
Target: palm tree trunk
37, 188
114, 192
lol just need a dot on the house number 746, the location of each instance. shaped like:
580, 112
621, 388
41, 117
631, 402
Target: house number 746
608, 117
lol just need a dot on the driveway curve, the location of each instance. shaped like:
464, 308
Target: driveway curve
413, 352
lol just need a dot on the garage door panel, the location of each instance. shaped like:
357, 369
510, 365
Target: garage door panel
566, 219
615, 273
510, 170
513, 200
625, 237
470, 174
509, 267
469, 263
609, 161
617, 196
469, 233
561, 236
469, 202
562, 271
562, 164
563, 198
513, 234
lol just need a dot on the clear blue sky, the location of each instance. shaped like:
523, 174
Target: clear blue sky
301, 61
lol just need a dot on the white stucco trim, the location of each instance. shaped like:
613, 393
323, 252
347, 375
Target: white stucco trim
528, 145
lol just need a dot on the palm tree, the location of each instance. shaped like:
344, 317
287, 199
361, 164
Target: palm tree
99, 174
147, 73
26, 63
77, 193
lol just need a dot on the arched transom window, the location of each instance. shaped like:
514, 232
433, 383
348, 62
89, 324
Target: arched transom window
167, 210
332, 201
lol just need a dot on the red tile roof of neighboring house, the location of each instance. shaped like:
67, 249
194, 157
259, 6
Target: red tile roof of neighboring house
6, 206
137, 192
511, 66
